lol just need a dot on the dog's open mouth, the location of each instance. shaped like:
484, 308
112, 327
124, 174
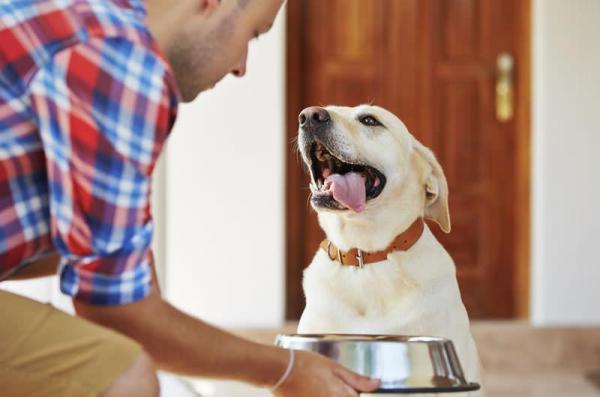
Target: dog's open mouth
337, 184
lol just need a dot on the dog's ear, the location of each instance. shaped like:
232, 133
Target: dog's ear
436, 190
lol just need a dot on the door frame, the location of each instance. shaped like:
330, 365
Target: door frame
297, 208
522, 236
294, 207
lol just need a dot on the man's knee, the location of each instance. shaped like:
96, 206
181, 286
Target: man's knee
139, 379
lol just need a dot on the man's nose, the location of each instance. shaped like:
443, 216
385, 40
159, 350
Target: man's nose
313, 116
240, 69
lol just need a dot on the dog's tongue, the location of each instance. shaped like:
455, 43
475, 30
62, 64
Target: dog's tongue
348, 190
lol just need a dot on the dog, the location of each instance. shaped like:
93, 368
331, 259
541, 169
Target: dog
381, 271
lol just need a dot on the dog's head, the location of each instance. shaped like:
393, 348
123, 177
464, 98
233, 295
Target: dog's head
369, 175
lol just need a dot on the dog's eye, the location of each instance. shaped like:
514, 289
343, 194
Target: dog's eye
370, 121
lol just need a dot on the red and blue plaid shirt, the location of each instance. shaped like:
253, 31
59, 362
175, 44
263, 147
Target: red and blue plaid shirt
86, 103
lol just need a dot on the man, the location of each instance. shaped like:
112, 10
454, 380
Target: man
88, 92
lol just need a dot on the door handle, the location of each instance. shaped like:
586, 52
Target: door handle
504, 87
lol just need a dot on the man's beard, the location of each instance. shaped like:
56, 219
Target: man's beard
193, 60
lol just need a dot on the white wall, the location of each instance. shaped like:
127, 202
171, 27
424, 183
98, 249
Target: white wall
225, 195
45, 289
566, 158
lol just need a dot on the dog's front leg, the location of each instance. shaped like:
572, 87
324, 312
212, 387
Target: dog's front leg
314, 321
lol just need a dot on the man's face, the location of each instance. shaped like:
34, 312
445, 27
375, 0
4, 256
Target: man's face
215, 43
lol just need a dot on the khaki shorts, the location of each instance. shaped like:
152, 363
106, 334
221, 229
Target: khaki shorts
45, 352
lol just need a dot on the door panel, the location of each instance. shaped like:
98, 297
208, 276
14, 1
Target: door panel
433, 63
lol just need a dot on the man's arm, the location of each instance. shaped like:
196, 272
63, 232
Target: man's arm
185, 345
180, 343
176, 341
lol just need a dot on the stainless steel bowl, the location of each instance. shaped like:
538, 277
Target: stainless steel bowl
404, 364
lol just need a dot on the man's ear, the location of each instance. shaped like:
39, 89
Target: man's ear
436, 190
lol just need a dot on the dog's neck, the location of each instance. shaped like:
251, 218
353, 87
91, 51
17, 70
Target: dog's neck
367, 233
356, 257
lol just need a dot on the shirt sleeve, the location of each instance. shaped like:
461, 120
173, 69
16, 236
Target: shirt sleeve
104, 109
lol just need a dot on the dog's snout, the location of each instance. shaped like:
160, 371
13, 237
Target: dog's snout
313, 116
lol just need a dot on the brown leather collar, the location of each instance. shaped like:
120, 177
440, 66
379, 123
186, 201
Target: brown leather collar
356, 257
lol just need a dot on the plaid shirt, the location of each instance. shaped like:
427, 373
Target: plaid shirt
86, 103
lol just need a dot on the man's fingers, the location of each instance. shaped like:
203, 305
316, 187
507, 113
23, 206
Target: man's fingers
348, 391
356, 381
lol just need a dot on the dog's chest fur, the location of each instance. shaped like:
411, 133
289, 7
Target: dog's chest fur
400, 295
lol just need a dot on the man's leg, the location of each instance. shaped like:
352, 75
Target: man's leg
46, 352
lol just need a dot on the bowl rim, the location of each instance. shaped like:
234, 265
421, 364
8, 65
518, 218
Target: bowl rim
363, 338
467, 387
289, 341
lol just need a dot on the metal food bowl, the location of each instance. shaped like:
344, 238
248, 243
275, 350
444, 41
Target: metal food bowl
404, 364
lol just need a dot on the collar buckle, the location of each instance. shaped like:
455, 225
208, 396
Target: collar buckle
332, 257
359, 256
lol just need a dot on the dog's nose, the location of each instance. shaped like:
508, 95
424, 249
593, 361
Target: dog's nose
314, 116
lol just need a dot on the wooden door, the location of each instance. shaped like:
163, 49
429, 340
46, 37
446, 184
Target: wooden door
433, 63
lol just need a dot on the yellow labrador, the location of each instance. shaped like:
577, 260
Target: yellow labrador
371, 183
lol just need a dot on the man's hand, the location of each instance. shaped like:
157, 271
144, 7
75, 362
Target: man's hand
316, 376
182, 344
